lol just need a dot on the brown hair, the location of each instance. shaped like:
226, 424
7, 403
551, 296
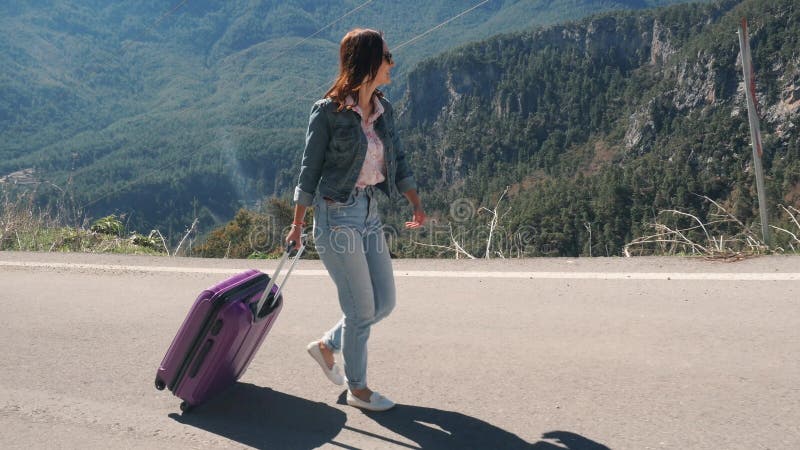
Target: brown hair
360, 57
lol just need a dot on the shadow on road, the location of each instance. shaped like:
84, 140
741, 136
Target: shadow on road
262, 418
433, 428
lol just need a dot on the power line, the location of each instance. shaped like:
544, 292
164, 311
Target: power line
286, 101
419, 36
159, 20
248, 124
286, 50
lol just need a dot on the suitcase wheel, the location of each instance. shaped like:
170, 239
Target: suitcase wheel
186, 407
160, 385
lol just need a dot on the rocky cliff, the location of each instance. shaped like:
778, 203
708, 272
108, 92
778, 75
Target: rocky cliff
648, 105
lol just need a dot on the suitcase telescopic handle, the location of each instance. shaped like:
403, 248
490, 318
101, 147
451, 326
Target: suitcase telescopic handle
266, 295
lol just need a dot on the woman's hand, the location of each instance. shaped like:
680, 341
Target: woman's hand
419, 215
294, 235
297, 226
418, 220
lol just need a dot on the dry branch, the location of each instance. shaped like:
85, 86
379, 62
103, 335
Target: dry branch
670, 240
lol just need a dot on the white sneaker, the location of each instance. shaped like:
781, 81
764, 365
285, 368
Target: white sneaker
376, 402
334, 373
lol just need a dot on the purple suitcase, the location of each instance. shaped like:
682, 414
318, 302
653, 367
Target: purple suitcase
221, 334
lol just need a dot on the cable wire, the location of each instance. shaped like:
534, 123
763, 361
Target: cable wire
285, 101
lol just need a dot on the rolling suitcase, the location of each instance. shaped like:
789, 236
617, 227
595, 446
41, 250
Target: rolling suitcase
222, 332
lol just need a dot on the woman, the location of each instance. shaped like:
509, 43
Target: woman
351, 149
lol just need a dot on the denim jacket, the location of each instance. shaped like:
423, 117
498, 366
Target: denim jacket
335, 150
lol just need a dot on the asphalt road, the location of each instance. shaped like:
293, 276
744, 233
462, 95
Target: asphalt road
540, 354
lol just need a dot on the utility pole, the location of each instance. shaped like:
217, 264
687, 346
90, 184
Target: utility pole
755, 129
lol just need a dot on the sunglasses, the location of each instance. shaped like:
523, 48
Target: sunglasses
388, 57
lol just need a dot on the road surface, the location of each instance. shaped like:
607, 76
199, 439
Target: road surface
644, 353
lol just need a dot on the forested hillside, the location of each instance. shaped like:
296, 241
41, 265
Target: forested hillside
599, 125
167, 111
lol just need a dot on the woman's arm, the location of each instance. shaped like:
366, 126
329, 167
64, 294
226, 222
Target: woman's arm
419, 214
413, 198
297, 225
317, 138
403, 175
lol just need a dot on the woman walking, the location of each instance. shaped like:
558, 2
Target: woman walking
351, 151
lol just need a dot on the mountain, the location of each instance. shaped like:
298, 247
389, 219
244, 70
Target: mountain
599, 125
169, 111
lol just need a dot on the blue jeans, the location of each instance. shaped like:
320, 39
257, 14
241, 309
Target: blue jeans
350, 241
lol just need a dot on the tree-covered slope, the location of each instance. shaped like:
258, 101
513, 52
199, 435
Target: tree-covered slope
167, 111
598, 125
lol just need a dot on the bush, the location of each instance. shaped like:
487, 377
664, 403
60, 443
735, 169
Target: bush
108, 225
